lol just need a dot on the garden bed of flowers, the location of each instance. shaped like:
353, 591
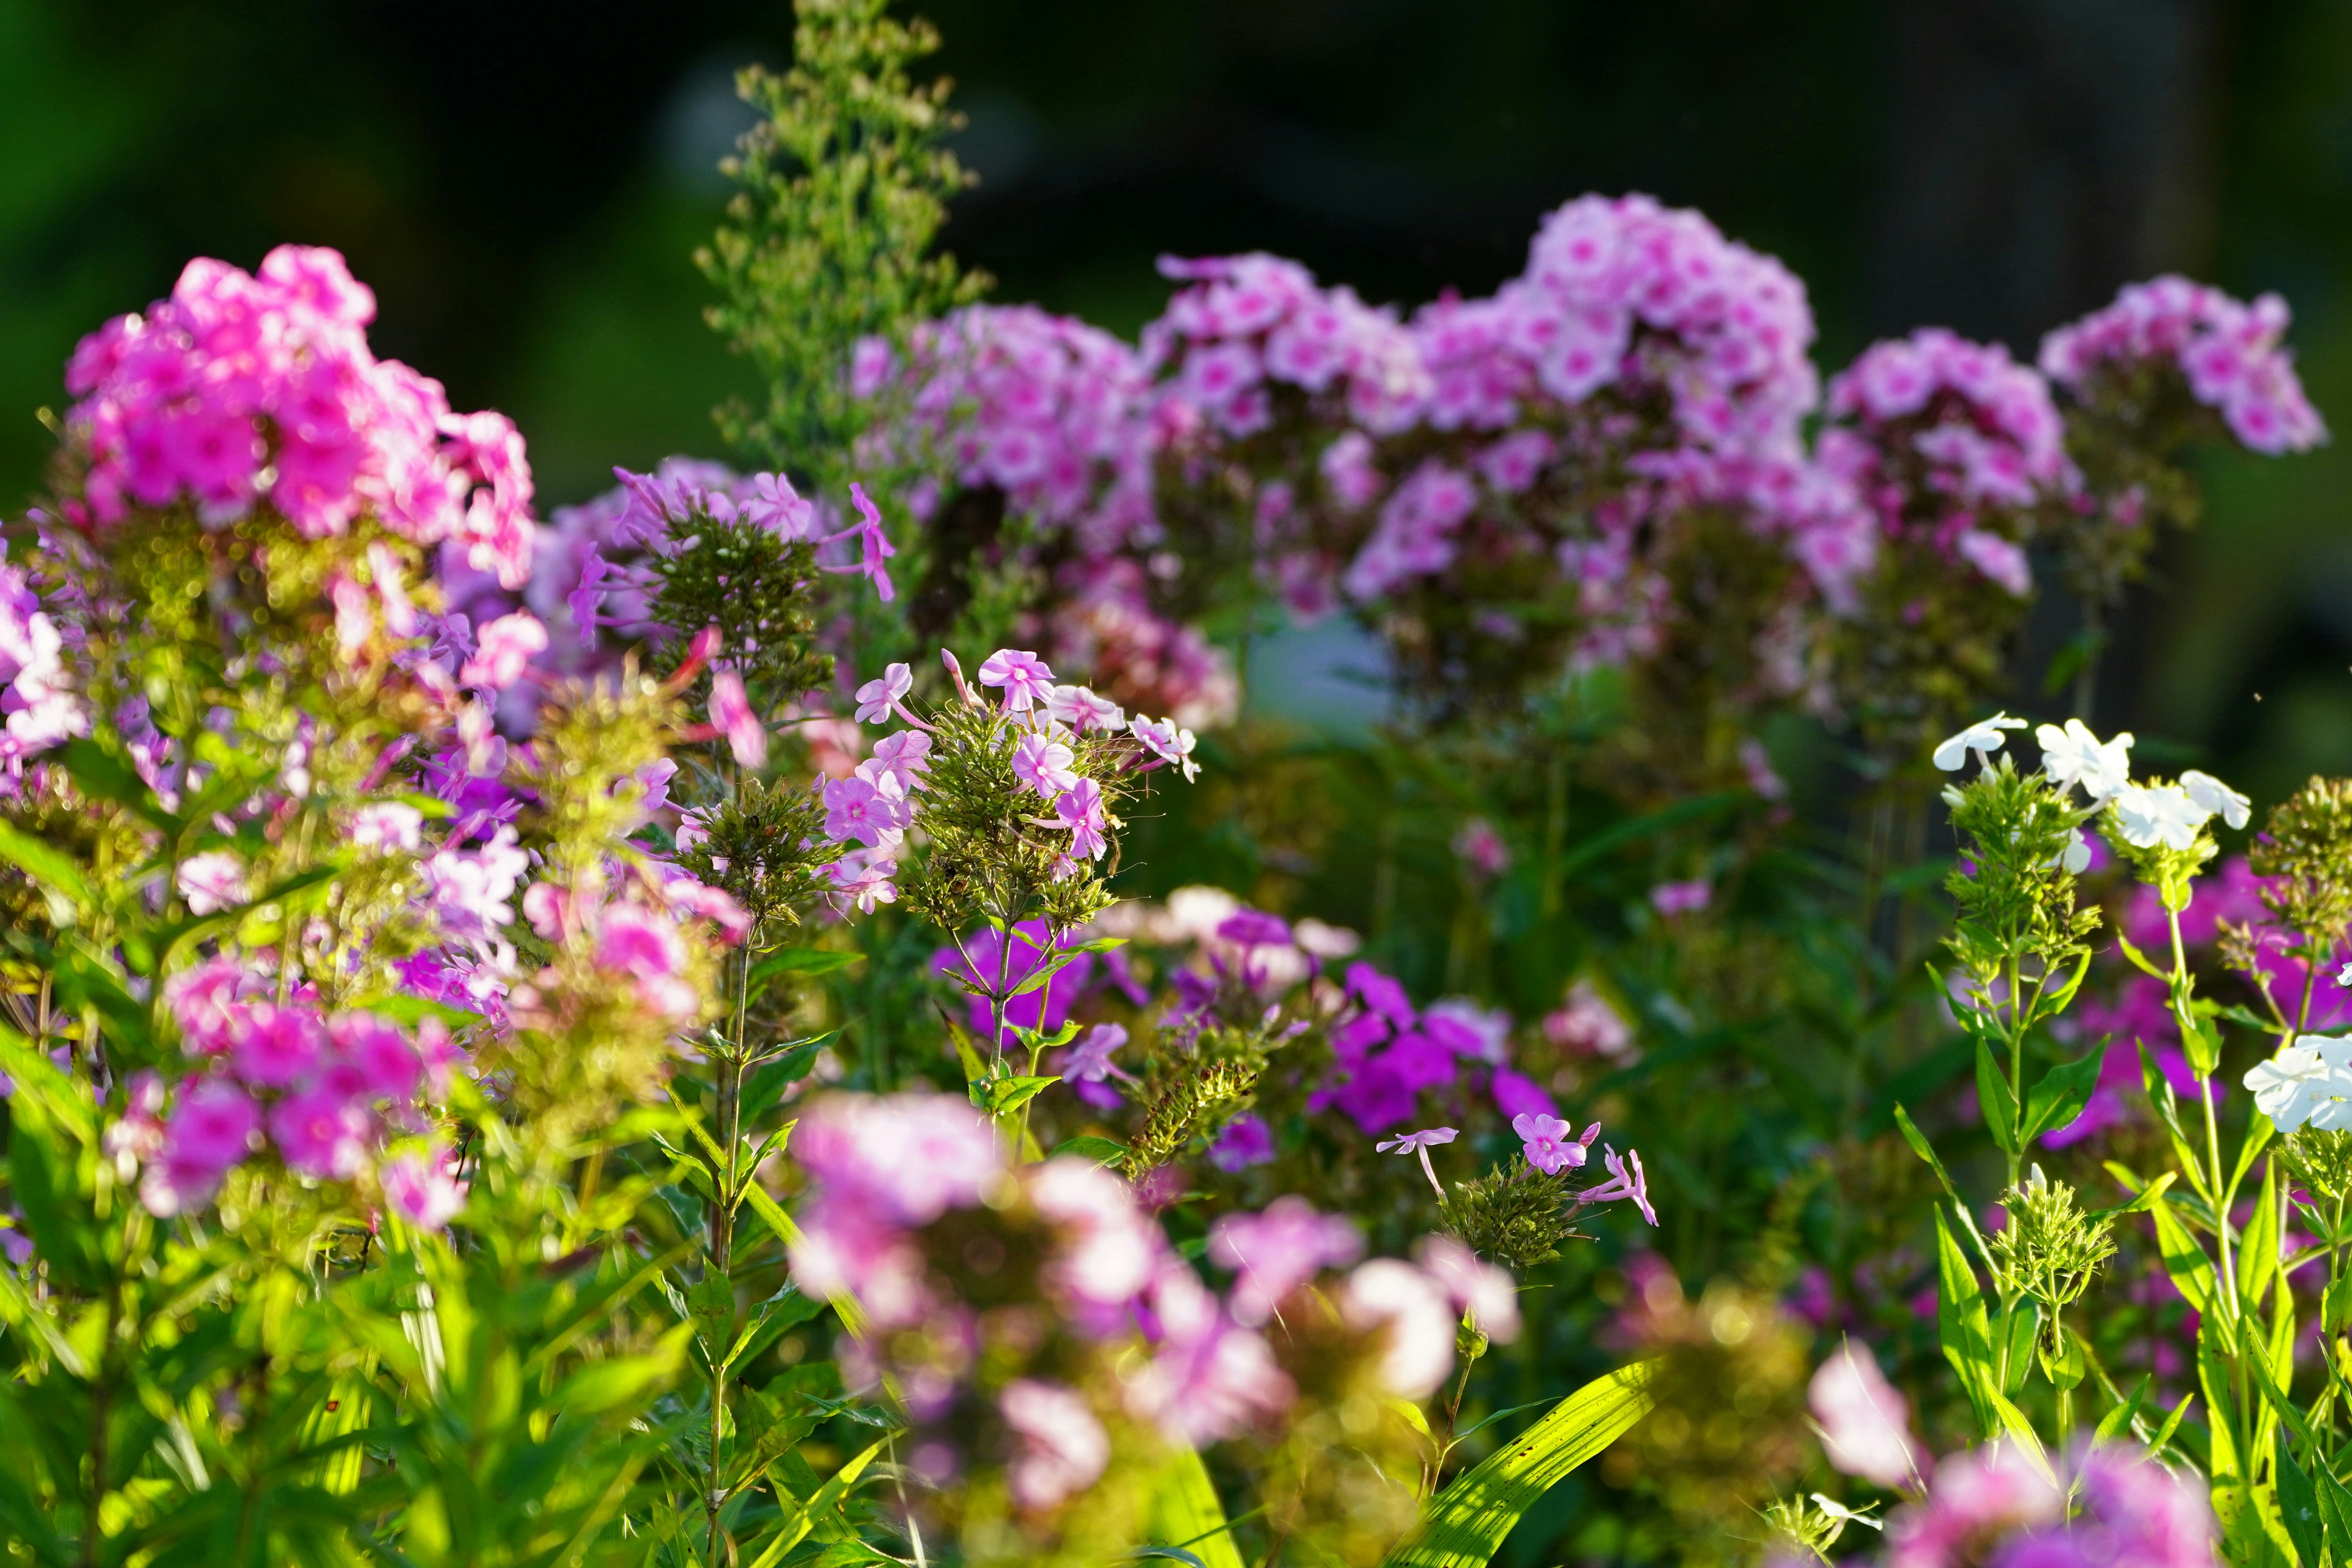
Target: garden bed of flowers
802, 1011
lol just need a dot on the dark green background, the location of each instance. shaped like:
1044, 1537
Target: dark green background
522, 183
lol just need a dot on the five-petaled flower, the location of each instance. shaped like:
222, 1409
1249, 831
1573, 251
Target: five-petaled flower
1420, 1143
2074, 756
1984, 738
1552, 1144
1024, 677
2150, 815
1043, 763
1626, 1180
1080, 811
2309, 1083
2216, 797
877, 697
1165, 740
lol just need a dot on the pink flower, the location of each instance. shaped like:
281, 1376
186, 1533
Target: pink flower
212, 882
1415, 1321
272, 1047
1080, 812
1998, 559
384, 1066
1246, 1140
1024, 676
873, 812
1865, 1422
863, 877
387, 825
636, 942
1481, 1293
505, 651
904, 757
202, 998
1626, 1180
1976, 1498
320, 1134
1064, 1450
423, 1188
1671, 899
731, 715
1480, 849
877, 698
1082, 711
909, 1157
1042, 764
1275, 1252
1552, 1145
209, 1133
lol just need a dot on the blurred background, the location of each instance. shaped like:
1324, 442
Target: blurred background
523, 182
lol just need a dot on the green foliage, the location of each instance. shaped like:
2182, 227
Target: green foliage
757, 587
844, 186
1515, 1214
2015, 903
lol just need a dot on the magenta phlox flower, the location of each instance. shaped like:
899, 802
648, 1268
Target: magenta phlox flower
1517, 1095
1381, 995
645, 946
423, 1188
1420, 1143
1552, 1145
321, 1133
1045, 1008
1254, 927
874, 547
471, 890
863, 877
873, 811
1210, 1378
732, 715
389, 825
1064, 1449
878, 697
1043, 763
212, 1129
383, 1064
1276, 1251
1375, 1097
202, 998
1474, 1033
505, 651
1626, 1180
1079, 812
1673, 899
1974, 1498
1485, 1294
1090, 1061
1419, 1062
1108, 1249
138, 1136
1024, 678
1244, 1141
271, 1046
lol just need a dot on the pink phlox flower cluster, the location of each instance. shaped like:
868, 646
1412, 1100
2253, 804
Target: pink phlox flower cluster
244, 387
1047, 409
472, 889
1386, 1054
2228, 352
1417, 533
1275, 1252
1211, 1377
1586, 1024
325, 1088
1995, 1507
645, 946
1980, 429
38, 708
1245, 323
1064, 1449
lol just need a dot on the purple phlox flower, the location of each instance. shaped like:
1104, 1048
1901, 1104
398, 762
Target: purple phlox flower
1462, 1027
586, 601
873, 811
905, 756
1254, 927
1246, 1140
1080, 811
1671, 899
1420, 1143
1275, 1252
1090, 1061
1381, 995
1551, 1145
1043, 1008
877, 698
863, 877
1626, 1180
1517, 1095
771, 503
505, 651
1024, 677
1043, 763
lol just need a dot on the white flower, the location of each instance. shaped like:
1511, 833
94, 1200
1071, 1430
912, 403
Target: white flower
2308, 1082
2344, 976
2150, 815
2074, 756
212, 882
2075, 858
2216, 796
1984, 738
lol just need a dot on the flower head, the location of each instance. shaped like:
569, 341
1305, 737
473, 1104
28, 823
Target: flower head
1043, 763
2152, 815
505, 651
1984, 738
2308, 1083
1164, 738
1275, 1252
2074, 756
1865, 1422
1552, 1145
877, 697
1024, 676
211, 881
2212, 795
1626, 1180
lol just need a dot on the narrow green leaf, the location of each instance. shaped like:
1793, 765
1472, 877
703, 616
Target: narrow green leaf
1101, 1151
1006, 1095
2191, 1272
1960, 1326
2139, 959
2258, 1247
810, 960
2012, 1343
1467, 1523
44, 862
2171, 1423
1185, 1513
2116, 1421
1924, 1149
1992, 1094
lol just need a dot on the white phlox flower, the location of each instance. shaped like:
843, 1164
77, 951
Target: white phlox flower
2074, 756
2216, 797
2307, 1084
2075, 858
1984, 738
2150, 815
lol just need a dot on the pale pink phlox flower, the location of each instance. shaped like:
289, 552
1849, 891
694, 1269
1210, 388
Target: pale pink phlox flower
1043, 763
1864, 1420
878, 697
1024, 678
731, 715
1275, 1252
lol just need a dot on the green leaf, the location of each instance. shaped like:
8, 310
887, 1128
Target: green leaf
1001, 1096
2171, 1423
1101, 1151
765, 1084
2139, 960
2065, 1370
2191, 1272
2116, 1421
101, 775
786, 1309
1926, 1150
2014, 1341
2258, 1245
1185, 1510
1960, 1325
402, 1008
801, 961
1992, 1094
44, 862
1467, 1523
2061, 1095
